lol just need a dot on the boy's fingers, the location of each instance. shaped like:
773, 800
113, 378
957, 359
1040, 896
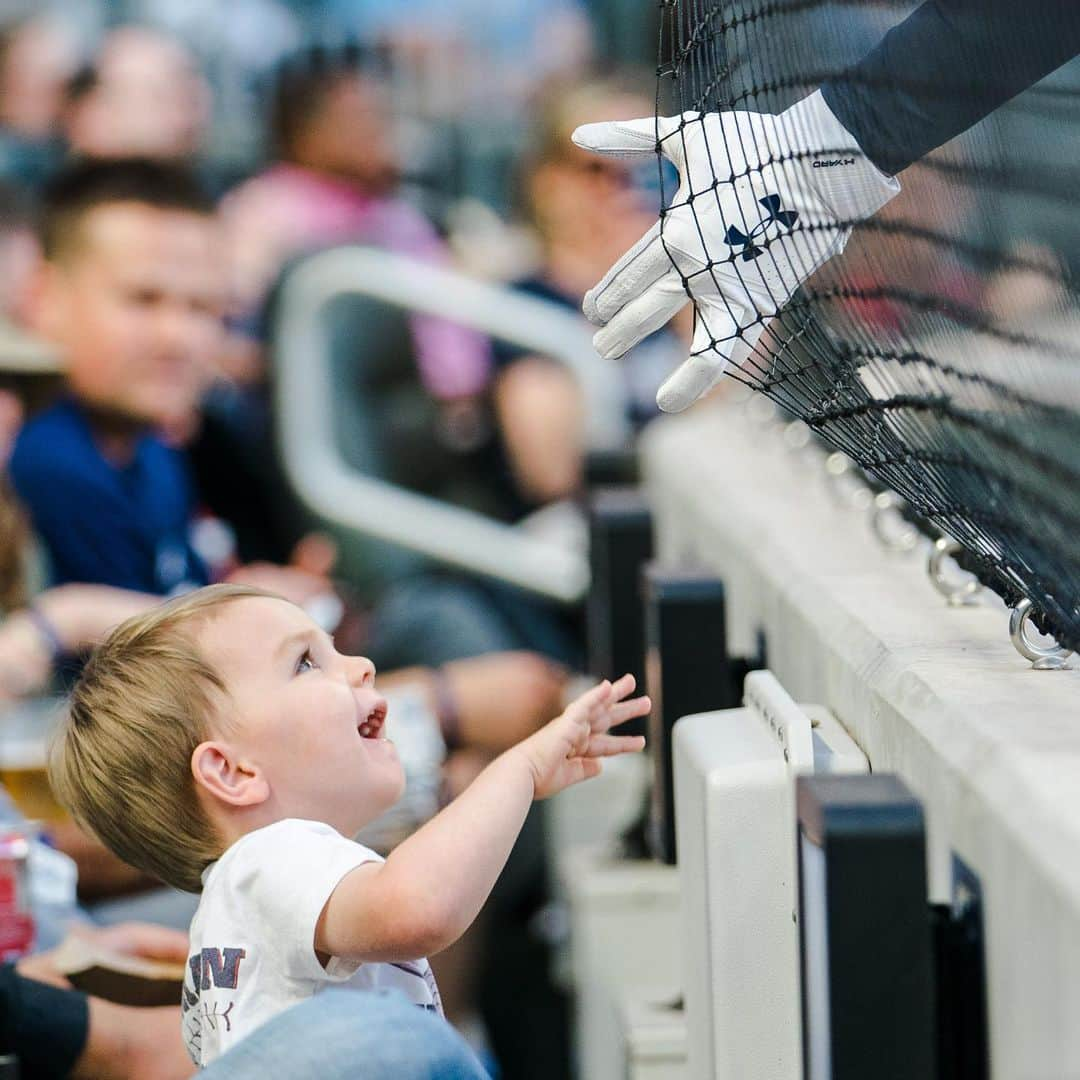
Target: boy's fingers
596, 696
619, 689
585, 705
626, 710
610, 745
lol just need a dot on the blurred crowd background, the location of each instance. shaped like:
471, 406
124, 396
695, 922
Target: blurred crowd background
163, 166
463, 77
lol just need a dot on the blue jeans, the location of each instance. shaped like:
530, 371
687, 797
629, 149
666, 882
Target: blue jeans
351, 1035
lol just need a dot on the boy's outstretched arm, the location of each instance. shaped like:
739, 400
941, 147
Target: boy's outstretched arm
434, 884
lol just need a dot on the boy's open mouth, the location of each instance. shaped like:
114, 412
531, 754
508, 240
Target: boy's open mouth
371, 725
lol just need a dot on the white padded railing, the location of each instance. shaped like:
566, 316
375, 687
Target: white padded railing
335, 490
934, 693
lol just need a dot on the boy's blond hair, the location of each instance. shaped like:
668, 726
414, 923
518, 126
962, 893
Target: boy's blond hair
121, 761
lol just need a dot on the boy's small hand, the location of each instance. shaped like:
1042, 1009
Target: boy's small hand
567, 750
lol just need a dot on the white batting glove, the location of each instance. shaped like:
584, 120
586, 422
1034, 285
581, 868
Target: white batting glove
762, 202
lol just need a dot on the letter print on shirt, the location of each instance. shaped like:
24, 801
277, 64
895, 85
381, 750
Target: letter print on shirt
209, 969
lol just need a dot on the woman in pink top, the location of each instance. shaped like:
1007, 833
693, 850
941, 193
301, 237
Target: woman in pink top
334, 183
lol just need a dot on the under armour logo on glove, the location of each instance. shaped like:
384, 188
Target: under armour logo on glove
731, 166
787, 218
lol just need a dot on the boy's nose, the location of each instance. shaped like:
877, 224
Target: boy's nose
361, 670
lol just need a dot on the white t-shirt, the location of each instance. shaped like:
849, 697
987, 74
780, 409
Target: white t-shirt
253, 936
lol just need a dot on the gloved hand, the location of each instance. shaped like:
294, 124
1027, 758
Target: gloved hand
762, 202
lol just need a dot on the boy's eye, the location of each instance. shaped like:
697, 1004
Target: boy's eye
306, 663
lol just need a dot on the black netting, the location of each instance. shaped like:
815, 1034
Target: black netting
941, 350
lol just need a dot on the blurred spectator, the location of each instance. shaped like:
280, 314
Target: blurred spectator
538, 405
144, 96
37, 57
333, 183
465, 74
238, 45
463, 71
131, 296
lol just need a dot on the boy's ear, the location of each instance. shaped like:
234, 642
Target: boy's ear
218, 770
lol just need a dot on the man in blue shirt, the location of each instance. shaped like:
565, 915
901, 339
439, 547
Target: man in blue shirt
132, 294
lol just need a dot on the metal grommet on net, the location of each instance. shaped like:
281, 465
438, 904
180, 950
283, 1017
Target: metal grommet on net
960, 593
889, 525
1042, 657
837, 464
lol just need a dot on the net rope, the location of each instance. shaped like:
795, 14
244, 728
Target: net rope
941, 350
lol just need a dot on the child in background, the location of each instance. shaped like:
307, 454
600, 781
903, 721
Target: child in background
224, 744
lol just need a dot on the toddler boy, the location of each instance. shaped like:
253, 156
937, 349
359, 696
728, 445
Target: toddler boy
222, 743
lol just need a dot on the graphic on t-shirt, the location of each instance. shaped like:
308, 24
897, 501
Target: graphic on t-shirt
209, 969
213, 1012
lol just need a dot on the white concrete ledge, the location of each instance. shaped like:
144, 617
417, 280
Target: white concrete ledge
936, 694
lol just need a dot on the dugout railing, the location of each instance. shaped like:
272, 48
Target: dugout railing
333, 488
